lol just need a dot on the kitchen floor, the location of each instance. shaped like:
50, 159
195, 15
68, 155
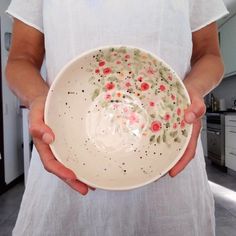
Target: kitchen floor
223, 186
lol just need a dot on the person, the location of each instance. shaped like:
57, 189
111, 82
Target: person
184, 34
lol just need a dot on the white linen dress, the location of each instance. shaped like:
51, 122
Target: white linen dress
180, 206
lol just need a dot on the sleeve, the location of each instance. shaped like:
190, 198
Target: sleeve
204, 12
27, 11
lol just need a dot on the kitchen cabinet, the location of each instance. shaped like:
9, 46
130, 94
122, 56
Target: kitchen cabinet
230, 141
227, 44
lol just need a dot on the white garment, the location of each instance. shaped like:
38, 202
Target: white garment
180, 206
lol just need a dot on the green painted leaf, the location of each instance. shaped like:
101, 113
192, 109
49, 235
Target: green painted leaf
158, 139
95, 93
173, 133
153, 116
184, 133
152, 138
177, 140
164, 137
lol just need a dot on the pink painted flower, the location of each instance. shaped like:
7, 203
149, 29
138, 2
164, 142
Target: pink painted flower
140, 79
182, 124
178, 111
162, 87
127, 56
126, 110
170, 77
175, 125
155, 126
173, 97
118, 62
167, 117
133, 118
151, 104
150, 71
129, 64
107, 71
144, 86
97, 71
107, 96
110, 86
101, 63
127, 84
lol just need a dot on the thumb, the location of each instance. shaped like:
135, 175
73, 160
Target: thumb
196, 110
37, 127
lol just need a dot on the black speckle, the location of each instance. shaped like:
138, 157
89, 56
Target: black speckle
123, 163
84, 164
125, 171
82, 91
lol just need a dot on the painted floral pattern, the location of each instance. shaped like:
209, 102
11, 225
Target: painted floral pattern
123, 71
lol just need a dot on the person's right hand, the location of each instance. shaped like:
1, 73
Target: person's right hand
42, 136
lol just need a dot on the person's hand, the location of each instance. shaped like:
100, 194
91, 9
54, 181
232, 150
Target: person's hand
193, 116
42, 136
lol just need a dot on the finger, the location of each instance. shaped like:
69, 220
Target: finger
55, 167
189, 152
195, 111
78, 186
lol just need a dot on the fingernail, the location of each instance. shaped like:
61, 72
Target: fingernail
190, 117
47, 138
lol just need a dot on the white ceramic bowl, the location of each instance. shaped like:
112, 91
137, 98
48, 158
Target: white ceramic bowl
118, 117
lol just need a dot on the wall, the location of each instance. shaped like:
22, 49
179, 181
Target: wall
227, 90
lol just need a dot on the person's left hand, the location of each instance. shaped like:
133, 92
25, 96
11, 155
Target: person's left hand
193, 116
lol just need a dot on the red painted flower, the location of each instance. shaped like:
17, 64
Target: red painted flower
127, 56
107, 71
118, 62
101, 63
97, 71
110, 86
182, 124
144, 86
175, 125
155, 126
167, 117
178, 111
162, 87
151, 104
118, 94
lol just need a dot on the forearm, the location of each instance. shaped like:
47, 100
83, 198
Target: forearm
25, 81
206, 73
